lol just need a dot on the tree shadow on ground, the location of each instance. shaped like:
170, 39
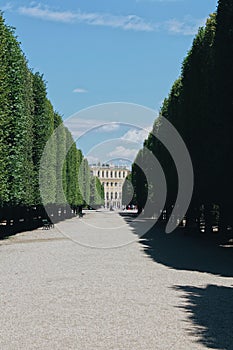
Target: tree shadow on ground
6, 232
211, 311
211, 253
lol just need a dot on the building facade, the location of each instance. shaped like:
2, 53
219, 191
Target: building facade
112, 178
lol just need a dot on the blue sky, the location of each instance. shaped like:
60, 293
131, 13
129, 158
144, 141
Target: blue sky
99, 51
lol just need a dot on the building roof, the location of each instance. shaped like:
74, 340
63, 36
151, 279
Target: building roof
109, 166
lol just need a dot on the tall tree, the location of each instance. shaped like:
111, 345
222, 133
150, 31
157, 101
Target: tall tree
43, 129
4, 103
96, 192
223, 108
60, 135
16, 108
84, 181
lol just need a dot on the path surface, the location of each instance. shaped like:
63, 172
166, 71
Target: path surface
58, 294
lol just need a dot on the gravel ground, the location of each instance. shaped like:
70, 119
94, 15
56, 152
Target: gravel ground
60, 290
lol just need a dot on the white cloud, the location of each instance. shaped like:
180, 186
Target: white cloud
80, 91
128, 22
123, 152
109, 127
47, 14
93, 160
125, 147
186, 26
135, 135
79, 126
123, 162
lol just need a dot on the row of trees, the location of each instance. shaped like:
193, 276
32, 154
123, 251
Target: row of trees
200, 106
27, 122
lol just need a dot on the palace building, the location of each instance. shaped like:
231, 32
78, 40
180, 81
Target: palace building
112, 178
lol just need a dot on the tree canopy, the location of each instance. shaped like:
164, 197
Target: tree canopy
200, 106
28, 124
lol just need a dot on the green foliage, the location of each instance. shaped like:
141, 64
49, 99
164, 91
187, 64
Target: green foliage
60, 135
139, 180
96, 192
84, 181
127, 191
200, 106
36, 151
4, 103
223, 105
48, 160
16, 122
78, 195
71, 169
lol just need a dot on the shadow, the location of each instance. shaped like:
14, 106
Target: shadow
126, 214
211, 311
8, 231
211, 253
17, 219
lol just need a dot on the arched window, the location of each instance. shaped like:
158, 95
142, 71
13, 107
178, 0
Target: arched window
115, 195
107, 183
98, 173
111, 174
106, 173
111, 195
107, 195
115, 184
111, 184
115, 174
123, 174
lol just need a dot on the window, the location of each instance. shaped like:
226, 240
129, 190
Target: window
115, 184
111, 195
107, 195
115, 195
106, 173
102, 173
98, 173
119, 174
103, 183
115, 174
123, 174
107, 183
111, 174
111, 184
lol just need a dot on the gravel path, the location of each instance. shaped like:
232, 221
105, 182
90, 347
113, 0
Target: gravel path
58, 294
